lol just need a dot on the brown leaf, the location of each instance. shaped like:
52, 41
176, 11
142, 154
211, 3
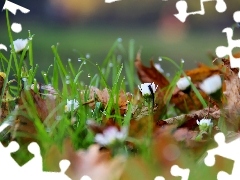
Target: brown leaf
181, 100
4, 110
25, 122
93, 162
103, 96
232, 103
150, 74
202, 72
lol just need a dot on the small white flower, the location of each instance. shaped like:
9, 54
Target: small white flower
211, 84
146, 88
110, 135
71, 103
51, 92
158, 67
20, 44
204, 122
183, 83
35, 85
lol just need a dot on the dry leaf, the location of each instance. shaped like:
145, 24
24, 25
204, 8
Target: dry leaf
4, 110
149, 75
93, 162
182, 101
232, 104
96, 95
24, 122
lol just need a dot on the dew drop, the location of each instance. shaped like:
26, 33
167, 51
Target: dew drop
88, 56
89, 75
79, 60
119, 40
24, 79
182, 61
159, 59
84, 62
58, 118
69, 60
67, 82
48, 130
119, 57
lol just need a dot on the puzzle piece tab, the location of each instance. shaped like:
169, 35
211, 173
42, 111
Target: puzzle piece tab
32, 169
177, 171
6, 161
228, 150
182, 9
222, 51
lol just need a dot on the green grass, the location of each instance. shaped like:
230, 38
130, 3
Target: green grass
104, 69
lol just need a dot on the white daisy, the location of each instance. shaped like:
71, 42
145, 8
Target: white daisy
111, 135
204, 122
20, 44
183, 83
211, 84
71, 103
158, 67
146, 88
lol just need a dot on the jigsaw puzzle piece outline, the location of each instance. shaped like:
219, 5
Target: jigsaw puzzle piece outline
227, 150
177, 171
182, 7
5, 156
222, 51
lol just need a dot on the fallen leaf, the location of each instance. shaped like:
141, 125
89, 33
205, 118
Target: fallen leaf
25, 120
231, 93
96, 95
150, 74
184, 102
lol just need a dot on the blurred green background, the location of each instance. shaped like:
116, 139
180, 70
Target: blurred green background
91, 27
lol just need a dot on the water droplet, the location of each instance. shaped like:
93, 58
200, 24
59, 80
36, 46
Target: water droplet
30, 38
119, 40
89, 75
67, 82
84, 62
48, 129
119, 57
159, 59
182, 61
51, 65
27, 87
69, 60
79, 60
88, 56
44, 74
67, 79
58, 118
